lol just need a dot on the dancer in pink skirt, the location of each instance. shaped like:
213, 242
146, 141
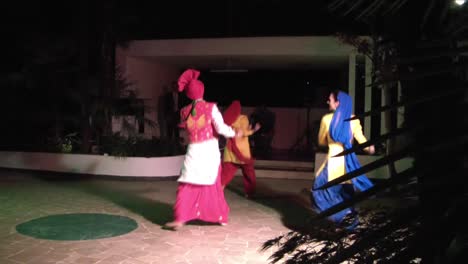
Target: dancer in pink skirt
199, 194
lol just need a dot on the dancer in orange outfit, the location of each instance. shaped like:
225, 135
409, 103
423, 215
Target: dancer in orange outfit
237, 151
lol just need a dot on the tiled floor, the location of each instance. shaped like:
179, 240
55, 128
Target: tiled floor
282, 205
287, 155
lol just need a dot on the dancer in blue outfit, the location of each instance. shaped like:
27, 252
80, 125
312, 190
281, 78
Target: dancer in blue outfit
338, 134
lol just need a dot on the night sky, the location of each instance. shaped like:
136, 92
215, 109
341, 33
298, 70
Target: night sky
273, 88
179, 19
52, 49
37, 29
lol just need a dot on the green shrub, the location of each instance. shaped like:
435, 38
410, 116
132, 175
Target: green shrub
120, 146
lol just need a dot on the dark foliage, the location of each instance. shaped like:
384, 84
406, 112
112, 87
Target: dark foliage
418, 47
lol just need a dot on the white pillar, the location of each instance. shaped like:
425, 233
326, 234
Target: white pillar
368, 96
352, 77
401, 109
383, 115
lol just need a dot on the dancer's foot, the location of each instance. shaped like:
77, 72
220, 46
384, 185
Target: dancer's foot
174, 225
223, 224
249, 195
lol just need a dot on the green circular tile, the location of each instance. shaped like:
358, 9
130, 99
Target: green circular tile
77, 226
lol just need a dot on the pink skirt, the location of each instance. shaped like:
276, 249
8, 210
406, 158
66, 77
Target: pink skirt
201, 202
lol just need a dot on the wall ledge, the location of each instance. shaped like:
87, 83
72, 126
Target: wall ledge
93, 164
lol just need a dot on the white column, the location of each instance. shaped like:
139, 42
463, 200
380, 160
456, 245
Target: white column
352, 77
401, 109
368, 96
383, 115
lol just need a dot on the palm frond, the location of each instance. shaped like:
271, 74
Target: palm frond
422, 73
428, 60
367, 8
336, 4
381, 138
370, 9
355, 5
444, 52
404, 176
387, 228
428, 12
394, 7
456, 23
452, 142
405, 152
399, 6
459, 30
425, 99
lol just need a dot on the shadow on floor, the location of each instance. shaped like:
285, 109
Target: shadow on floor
294, 209
155, 211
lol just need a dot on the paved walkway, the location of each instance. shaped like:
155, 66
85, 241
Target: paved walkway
24, 196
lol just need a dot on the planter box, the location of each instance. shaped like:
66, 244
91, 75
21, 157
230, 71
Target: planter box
93, 164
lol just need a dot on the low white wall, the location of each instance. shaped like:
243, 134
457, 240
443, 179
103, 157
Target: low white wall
379, 173
136, 166
93, 164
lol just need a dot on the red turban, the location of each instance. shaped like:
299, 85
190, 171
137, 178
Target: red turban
232, 113
189, 82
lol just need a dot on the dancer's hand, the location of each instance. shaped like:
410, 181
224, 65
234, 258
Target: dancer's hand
257, 127
239, 133
370, 149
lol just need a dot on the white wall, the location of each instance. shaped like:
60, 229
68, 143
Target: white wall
92, 164
270, 46
149, 79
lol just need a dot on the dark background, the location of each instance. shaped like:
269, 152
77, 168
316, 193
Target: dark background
273, 88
